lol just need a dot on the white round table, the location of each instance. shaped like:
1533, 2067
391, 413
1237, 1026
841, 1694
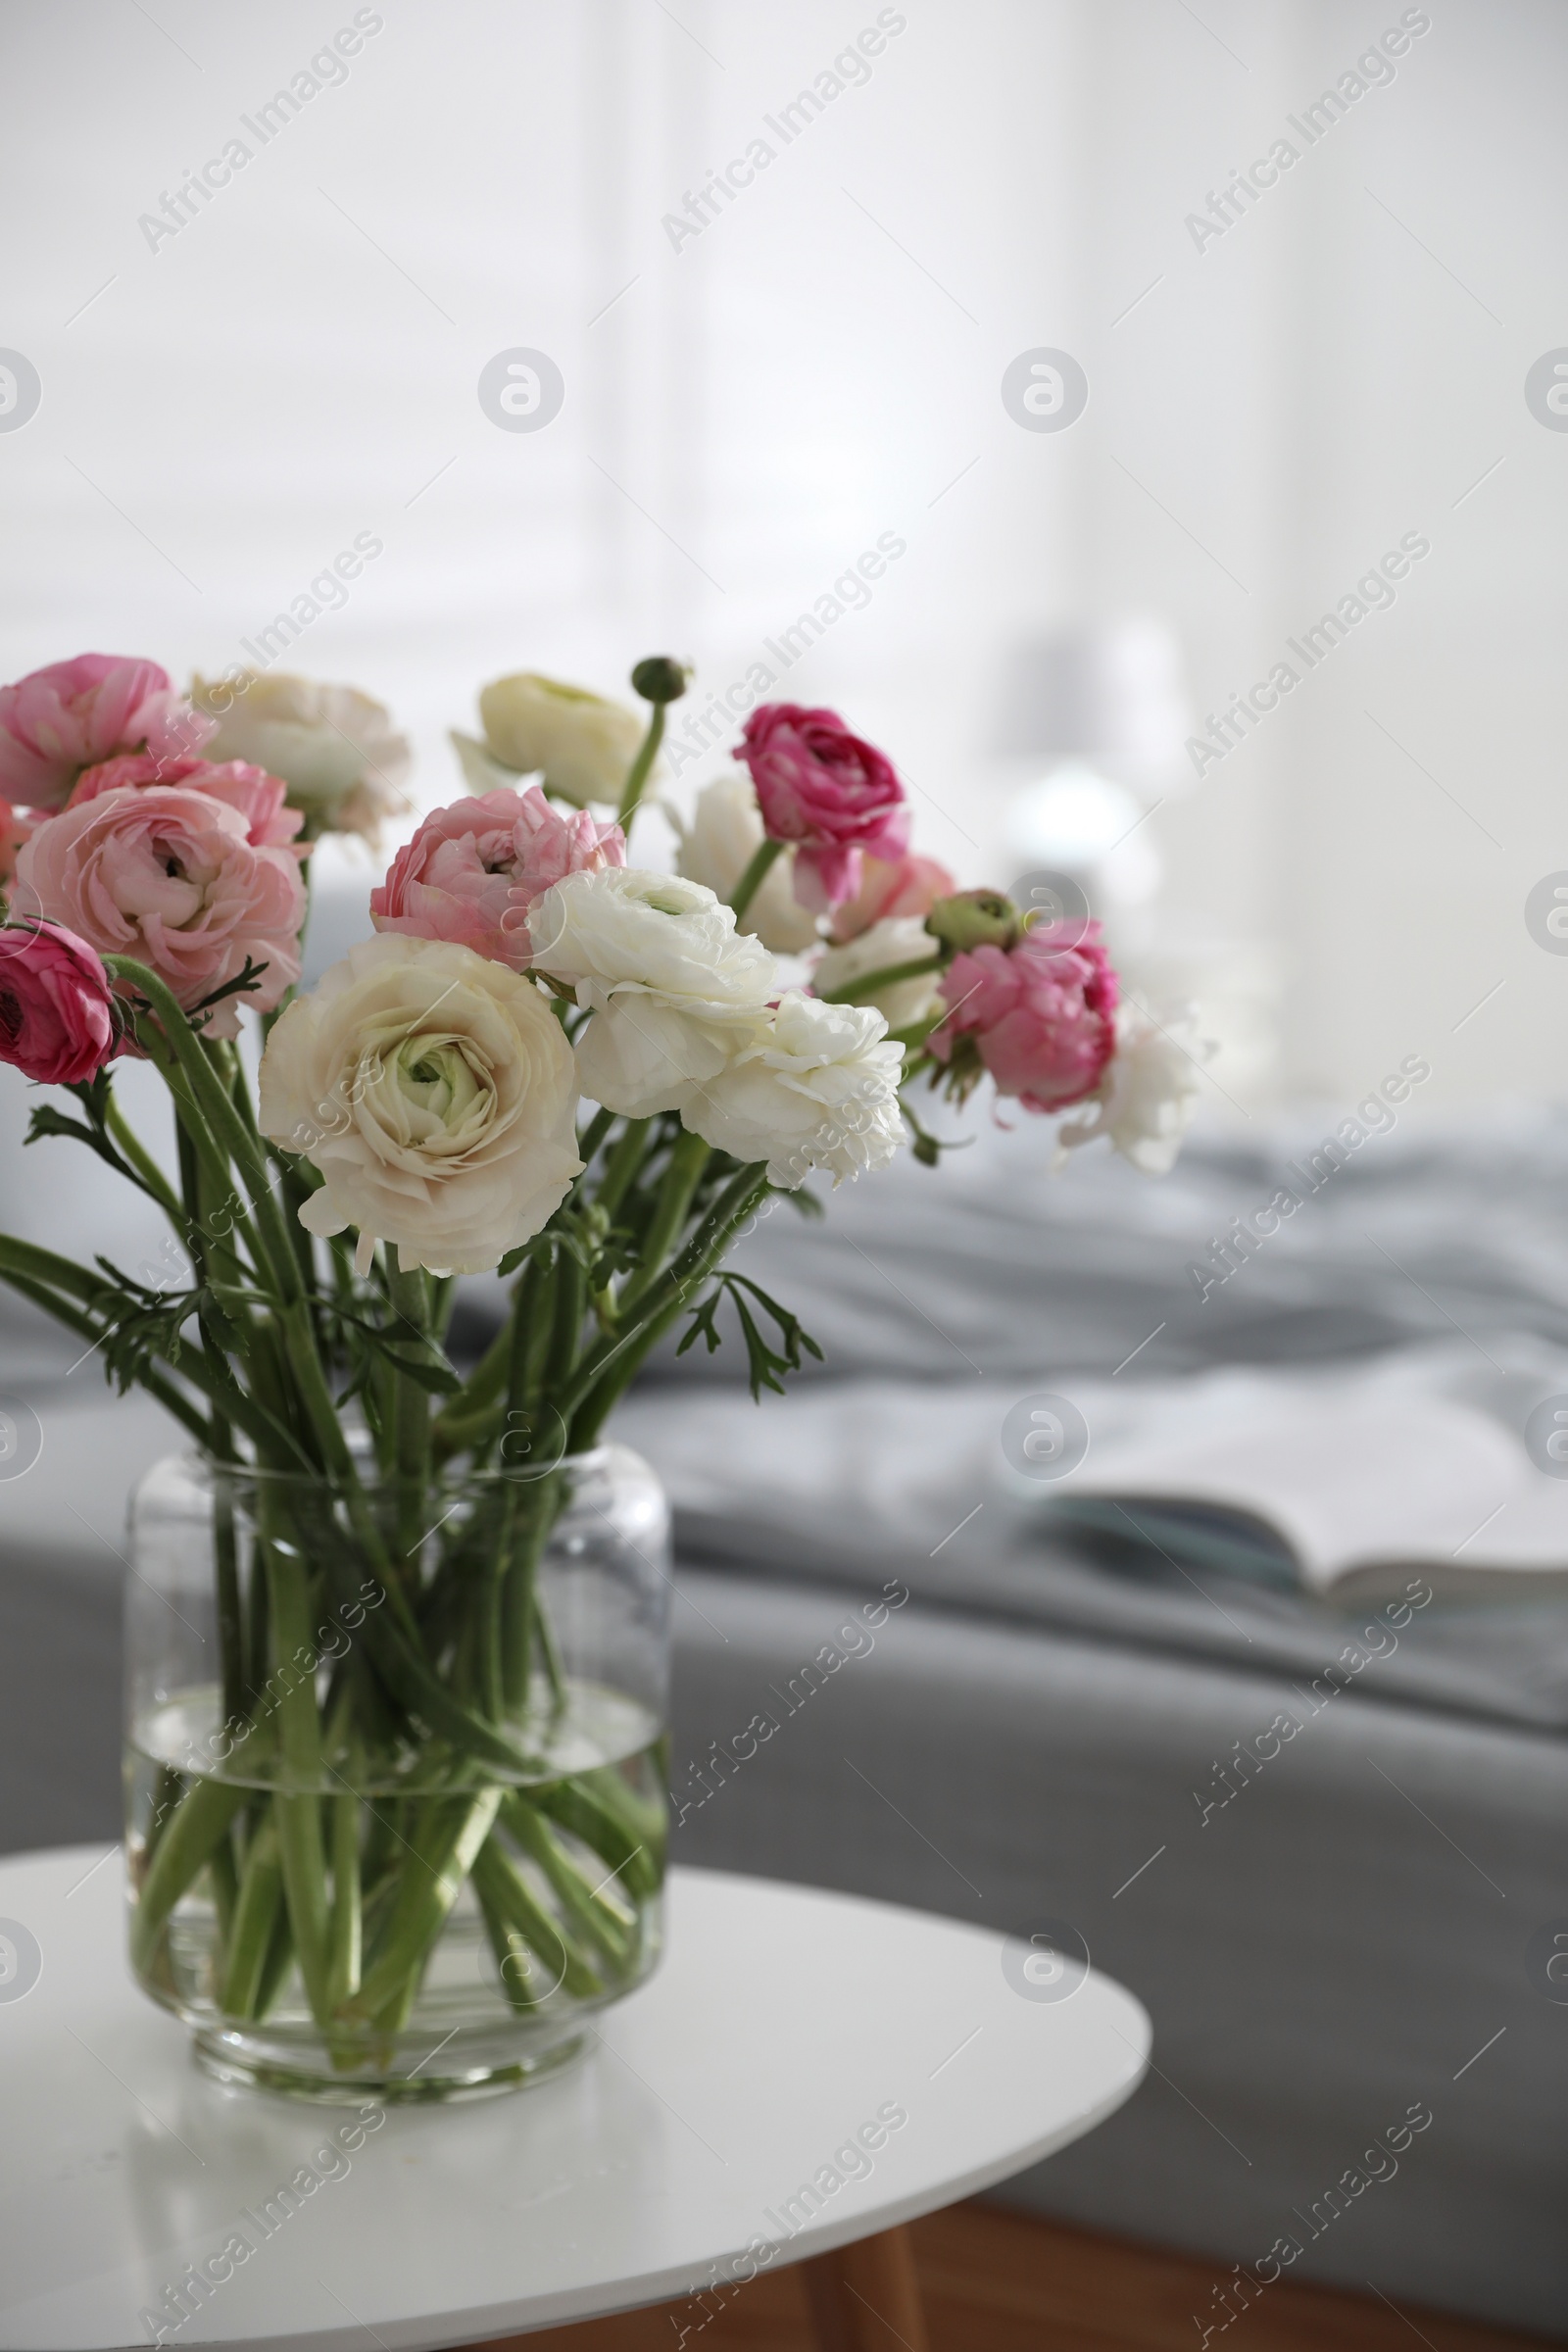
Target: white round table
804, 2071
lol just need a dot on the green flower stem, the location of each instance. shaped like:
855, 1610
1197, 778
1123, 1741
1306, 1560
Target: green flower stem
609, 1371
405, 1673
275, 1967
195, 1136
220, 1125
220, 1444
753, 876
146, 1167
550, 1652
166, 1799
622, 1831
513, 1960
299, 1845
297, 1808
345, 1949
445, 1844
59, 1273
571, 1294
256, 1913
227, 1131
641, 767
861, 991
683, 1175
225, 1877
530, 1512
226, 1570
624, 1162
41, 1294
497, 1877
189, 1835
296, 1193
730, 1209
592, 1136
412, 1417
467, 1413
589, 1909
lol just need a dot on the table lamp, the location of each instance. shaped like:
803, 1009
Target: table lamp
1099, 712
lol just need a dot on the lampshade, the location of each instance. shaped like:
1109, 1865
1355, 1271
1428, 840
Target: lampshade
1110, 693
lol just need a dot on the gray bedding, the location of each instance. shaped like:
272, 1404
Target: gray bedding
846, 1484
1344, 1932
1340, 1940
1326, 1936
990, 1265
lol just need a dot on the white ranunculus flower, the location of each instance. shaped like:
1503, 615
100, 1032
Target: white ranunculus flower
897, 939
344, 762
436, 1092
716, 847
673, 987
579, 744
481, 773
814, 1086
1149, 1094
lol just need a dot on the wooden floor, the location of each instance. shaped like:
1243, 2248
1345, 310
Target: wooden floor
996, 2282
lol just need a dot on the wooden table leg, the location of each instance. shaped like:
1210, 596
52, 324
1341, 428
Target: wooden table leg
866, 2297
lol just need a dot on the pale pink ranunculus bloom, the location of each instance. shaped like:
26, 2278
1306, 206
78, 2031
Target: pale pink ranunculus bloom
829, 791
262, 799
1041, 1014
888, 890
472, 870
168, 876
57, 722
57, 1023
14, 830
436, 1092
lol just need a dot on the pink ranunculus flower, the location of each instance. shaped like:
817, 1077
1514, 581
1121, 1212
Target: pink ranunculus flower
57, 1023
262, 799
831, 794
167, 875
14, 830
1038, 1015
890, 892
58, 721
473, 871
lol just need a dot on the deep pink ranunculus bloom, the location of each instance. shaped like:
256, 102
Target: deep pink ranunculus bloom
826, 791
262, 799
472, 870
1039, 1013
908, 886
58, 721
57, 1023
168, 875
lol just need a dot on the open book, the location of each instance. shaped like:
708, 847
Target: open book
1345, 1485
1345, 1481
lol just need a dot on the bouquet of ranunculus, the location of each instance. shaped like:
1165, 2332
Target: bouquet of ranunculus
547, 1062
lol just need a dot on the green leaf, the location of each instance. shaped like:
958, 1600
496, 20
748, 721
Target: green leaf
766, 1365
436, 1378
702, 1323
421, 1357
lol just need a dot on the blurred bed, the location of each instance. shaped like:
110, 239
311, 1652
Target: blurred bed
1043, 1737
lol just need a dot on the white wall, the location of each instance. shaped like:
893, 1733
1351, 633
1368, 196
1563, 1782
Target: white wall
816, 368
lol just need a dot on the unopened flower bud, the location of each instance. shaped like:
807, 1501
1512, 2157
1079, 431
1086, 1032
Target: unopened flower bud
974, 919
661, 678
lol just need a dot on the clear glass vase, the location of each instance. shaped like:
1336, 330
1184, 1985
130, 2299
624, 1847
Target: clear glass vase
395, 1773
